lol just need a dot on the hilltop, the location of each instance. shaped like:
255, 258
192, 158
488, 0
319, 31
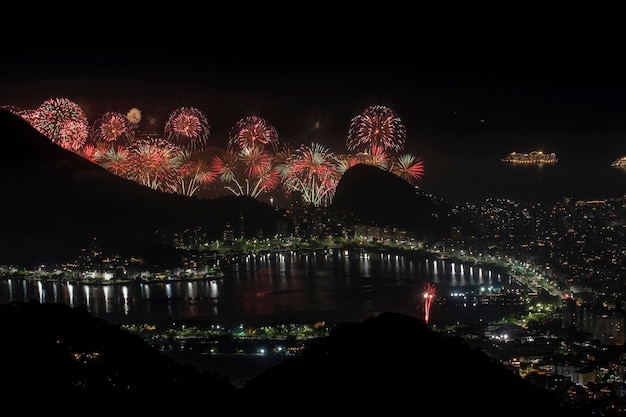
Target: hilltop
56, 202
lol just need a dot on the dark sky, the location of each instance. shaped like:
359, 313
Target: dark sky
462, 83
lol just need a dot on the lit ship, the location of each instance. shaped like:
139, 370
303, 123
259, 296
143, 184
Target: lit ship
534, 157
619, 162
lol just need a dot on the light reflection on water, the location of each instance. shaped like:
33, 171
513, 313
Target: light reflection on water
303, 287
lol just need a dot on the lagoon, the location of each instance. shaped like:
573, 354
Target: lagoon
326, 285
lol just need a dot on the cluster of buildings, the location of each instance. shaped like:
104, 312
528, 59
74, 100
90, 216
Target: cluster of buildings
579, 248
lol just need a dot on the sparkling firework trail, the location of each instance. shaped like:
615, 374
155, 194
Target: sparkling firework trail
313, 171
429, 295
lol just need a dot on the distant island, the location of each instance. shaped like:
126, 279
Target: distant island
534, 157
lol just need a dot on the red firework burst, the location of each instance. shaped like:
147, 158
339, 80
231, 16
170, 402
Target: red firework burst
408, 167
376, 126
256, 160
153, 162
112, 126
188, 128
314, 172
63, 121
249, 172
252, 131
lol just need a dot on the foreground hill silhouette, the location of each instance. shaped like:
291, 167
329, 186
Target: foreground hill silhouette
56, 356
389, 362
394, 363
55, 202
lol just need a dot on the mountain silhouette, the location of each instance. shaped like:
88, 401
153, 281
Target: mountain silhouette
394, 362
389, 362
56, 202
381, 198
60, 351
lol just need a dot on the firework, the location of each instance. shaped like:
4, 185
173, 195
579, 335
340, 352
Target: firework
188, 128
379, 157
255, 160
94, 153
134, 116
111, 127
11, 108
252, 131
282, 155
30, 116
376, 126
408, 167
313, 126
314, 172
113, 158
225, 165
249, 172
345, 162
63, 121
428, 295
193, 174
153, 162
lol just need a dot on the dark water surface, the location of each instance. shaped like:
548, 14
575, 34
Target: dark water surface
332, 286
475, 177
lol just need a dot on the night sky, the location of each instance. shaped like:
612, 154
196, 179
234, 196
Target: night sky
460, 83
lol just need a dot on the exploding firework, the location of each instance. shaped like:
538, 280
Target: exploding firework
113, 159
134, 116
188, 128
379, 157
94, 153
408, 167
376, 126
428, 295
252, 131
63, 121
282, 155
11, 108
249, 172
255, 160
30, 115
345, 162
314, 172
111, 127
193, 174
153, 162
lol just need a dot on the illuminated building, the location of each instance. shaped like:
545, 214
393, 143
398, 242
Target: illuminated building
534, 157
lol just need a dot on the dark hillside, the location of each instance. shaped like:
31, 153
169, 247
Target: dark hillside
381, 198
55, 202
394, 363
390, 363
64, 355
